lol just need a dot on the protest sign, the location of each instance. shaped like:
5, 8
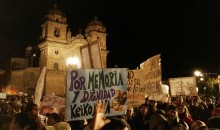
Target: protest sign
51, 102
136, 88
152, 76
85, 87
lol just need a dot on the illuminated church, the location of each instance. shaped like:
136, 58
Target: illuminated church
57, 45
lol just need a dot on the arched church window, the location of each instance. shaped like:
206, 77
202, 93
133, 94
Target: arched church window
56, 32
56, 66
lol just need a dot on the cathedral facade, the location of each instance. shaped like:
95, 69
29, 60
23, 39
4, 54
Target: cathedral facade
57, 45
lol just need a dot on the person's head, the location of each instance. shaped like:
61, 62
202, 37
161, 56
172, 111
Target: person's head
129, 112
32, 110
143, 109
21, 121
59, 126
30, 100
172, 112
198, 125
52, 118
182, 110
152, 103
24, 102
158, 122
117, 124
178, 126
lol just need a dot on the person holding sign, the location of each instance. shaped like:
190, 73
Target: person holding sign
99, 122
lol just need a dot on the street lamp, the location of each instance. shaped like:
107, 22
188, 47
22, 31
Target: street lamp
198, 73
199, 78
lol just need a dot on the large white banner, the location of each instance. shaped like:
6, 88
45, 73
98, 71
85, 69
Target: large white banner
91, 55
185, 86
40, 86
152, 75
86, 86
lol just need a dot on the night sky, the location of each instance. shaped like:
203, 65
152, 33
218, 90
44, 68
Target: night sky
185, 32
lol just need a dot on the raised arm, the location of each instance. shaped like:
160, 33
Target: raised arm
98, 120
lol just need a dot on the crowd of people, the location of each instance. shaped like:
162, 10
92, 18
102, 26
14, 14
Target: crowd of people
180, 113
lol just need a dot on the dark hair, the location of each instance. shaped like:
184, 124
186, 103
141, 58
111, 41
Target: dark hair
179, 125
54, 115
23, 120
171, 107
29, 107
116, 124
142, 105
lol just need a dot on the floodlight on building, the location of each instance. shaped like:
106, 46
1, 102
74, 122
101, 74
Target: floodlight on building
73, 61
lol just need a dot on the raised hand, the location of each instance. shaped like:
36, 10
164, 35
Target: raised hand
99, 119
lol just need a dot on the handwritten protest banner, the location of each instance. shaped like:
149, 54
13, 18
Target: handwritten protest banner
152, 76
86, 86
136, 88
183, 86
51, 101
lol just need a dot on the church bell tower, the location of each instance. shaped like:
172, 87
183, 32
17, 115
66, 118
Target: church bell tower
54, 38
96, 32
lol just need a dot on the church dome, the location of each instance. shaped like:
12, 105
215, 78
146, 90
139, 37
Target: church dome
55, 14
56, 11
95, 25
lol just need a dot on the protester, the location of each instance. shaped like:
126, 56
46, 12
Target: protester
32, 111
21, 121
198, 125
99, 122
173, 118
184, 114
59, 126
129, 116
140, 120
158, 122
53, 118
178, 126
